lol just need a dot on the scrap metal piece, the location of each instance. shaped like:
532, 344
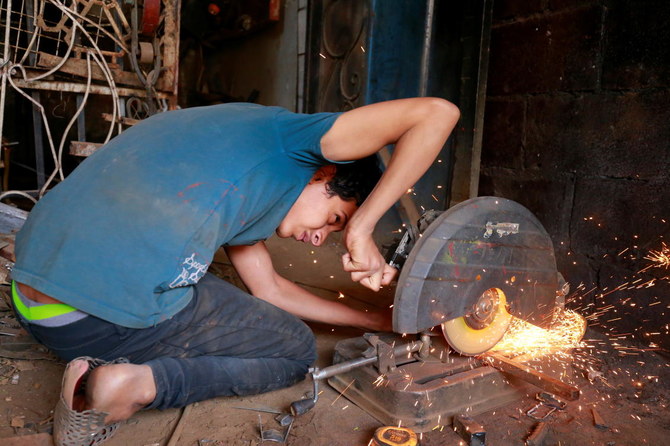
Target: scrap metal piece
274, 434
537, 436
179, 428
472, 432
551, 400
547, 405
598, 421
83, 148
284, 419
259, 409
540, 411
533, 376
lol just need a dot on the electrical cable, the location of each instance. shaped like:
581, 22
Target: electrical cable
102, 63
104, 67
10, 193
63, 59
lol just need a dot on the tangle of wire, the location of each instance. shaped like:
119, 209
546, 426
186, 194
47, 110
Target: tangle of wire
97, 55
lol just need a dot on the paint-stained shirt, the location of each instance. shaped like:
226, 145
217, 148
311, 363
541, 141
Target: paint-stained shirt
137, 223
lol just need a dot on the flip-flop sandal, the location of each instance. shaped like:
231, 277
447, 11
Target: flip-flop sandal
86, 428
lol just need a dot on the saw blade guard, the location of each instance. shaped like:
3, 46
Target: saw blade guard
478, 245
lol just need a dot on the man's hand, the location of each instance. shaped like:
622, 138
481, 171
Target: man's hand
365, 263
254, 265
419, 128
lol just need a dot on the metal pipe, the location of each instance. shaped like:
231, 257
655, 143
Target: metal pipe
5, 57
346, 366
79, 88
427, 43
4, 71
39, 141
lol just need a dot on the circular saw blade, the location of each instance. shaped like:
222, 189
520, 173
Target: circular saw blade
471, 341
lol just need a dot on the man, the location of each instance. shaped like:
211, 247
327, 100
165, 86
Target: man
112, 262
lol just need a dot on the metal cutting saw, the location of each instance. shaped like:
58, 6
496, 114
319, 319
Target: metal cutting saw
465, 272
474, 267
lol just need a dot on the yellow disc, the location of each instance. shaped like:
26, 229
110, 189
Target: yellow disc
470, 336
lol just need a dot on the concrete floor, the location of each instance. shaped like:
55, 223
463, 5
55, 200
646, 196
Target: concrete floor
629, 392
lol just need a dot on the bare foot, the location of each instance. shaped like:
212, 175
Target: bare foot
120, 390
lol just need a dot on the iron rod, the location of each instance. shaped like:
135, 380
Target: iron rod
427, 43
346, 366
5, 70
80, 88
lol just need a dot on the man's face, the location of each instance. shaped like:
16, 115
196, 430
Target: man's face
316, 214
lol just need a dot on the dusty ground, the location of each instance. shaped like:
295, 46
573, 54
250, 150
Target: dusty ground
630, 392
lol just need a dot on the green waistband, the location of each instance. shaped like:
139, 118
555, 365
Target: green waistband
40, 312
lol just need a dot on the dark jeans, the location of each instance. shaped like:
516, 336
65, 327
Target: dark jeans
225, 342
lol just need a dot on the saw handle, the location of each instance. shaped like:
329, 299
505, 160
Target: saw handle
303, 406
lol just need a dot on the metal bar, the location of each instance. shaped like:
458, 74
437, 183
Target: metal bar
81, 88
480, 98
81, 120
5, 62
427, 43
39, 142
3, 89
533, 376
121, 119
170, 79
83, 148
5, 56
176, 433
536, 438
472, 432
78, 67
475, 37
346, 366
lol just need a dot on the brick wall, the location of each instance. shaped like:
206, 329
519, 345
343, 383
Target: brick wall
577, 128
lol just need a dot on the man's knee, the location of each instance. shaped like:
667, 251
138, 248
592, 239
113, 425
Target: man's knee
310, 354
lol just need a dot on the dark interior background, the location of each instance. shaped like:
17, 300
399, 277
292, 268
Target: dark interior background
577, 128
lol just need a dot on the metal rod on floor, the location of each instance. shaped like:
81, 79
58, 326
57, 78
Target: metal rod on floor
174, 438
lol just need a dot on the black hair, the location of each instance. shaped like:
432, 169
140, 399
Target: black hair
355, 181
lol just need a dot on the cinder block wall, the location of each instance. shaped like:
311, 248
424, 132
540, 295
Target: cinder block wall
577, 128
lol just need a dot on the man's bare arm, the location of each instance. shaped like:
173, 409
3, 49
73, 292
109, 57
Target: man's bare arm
254, 265
418, 127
